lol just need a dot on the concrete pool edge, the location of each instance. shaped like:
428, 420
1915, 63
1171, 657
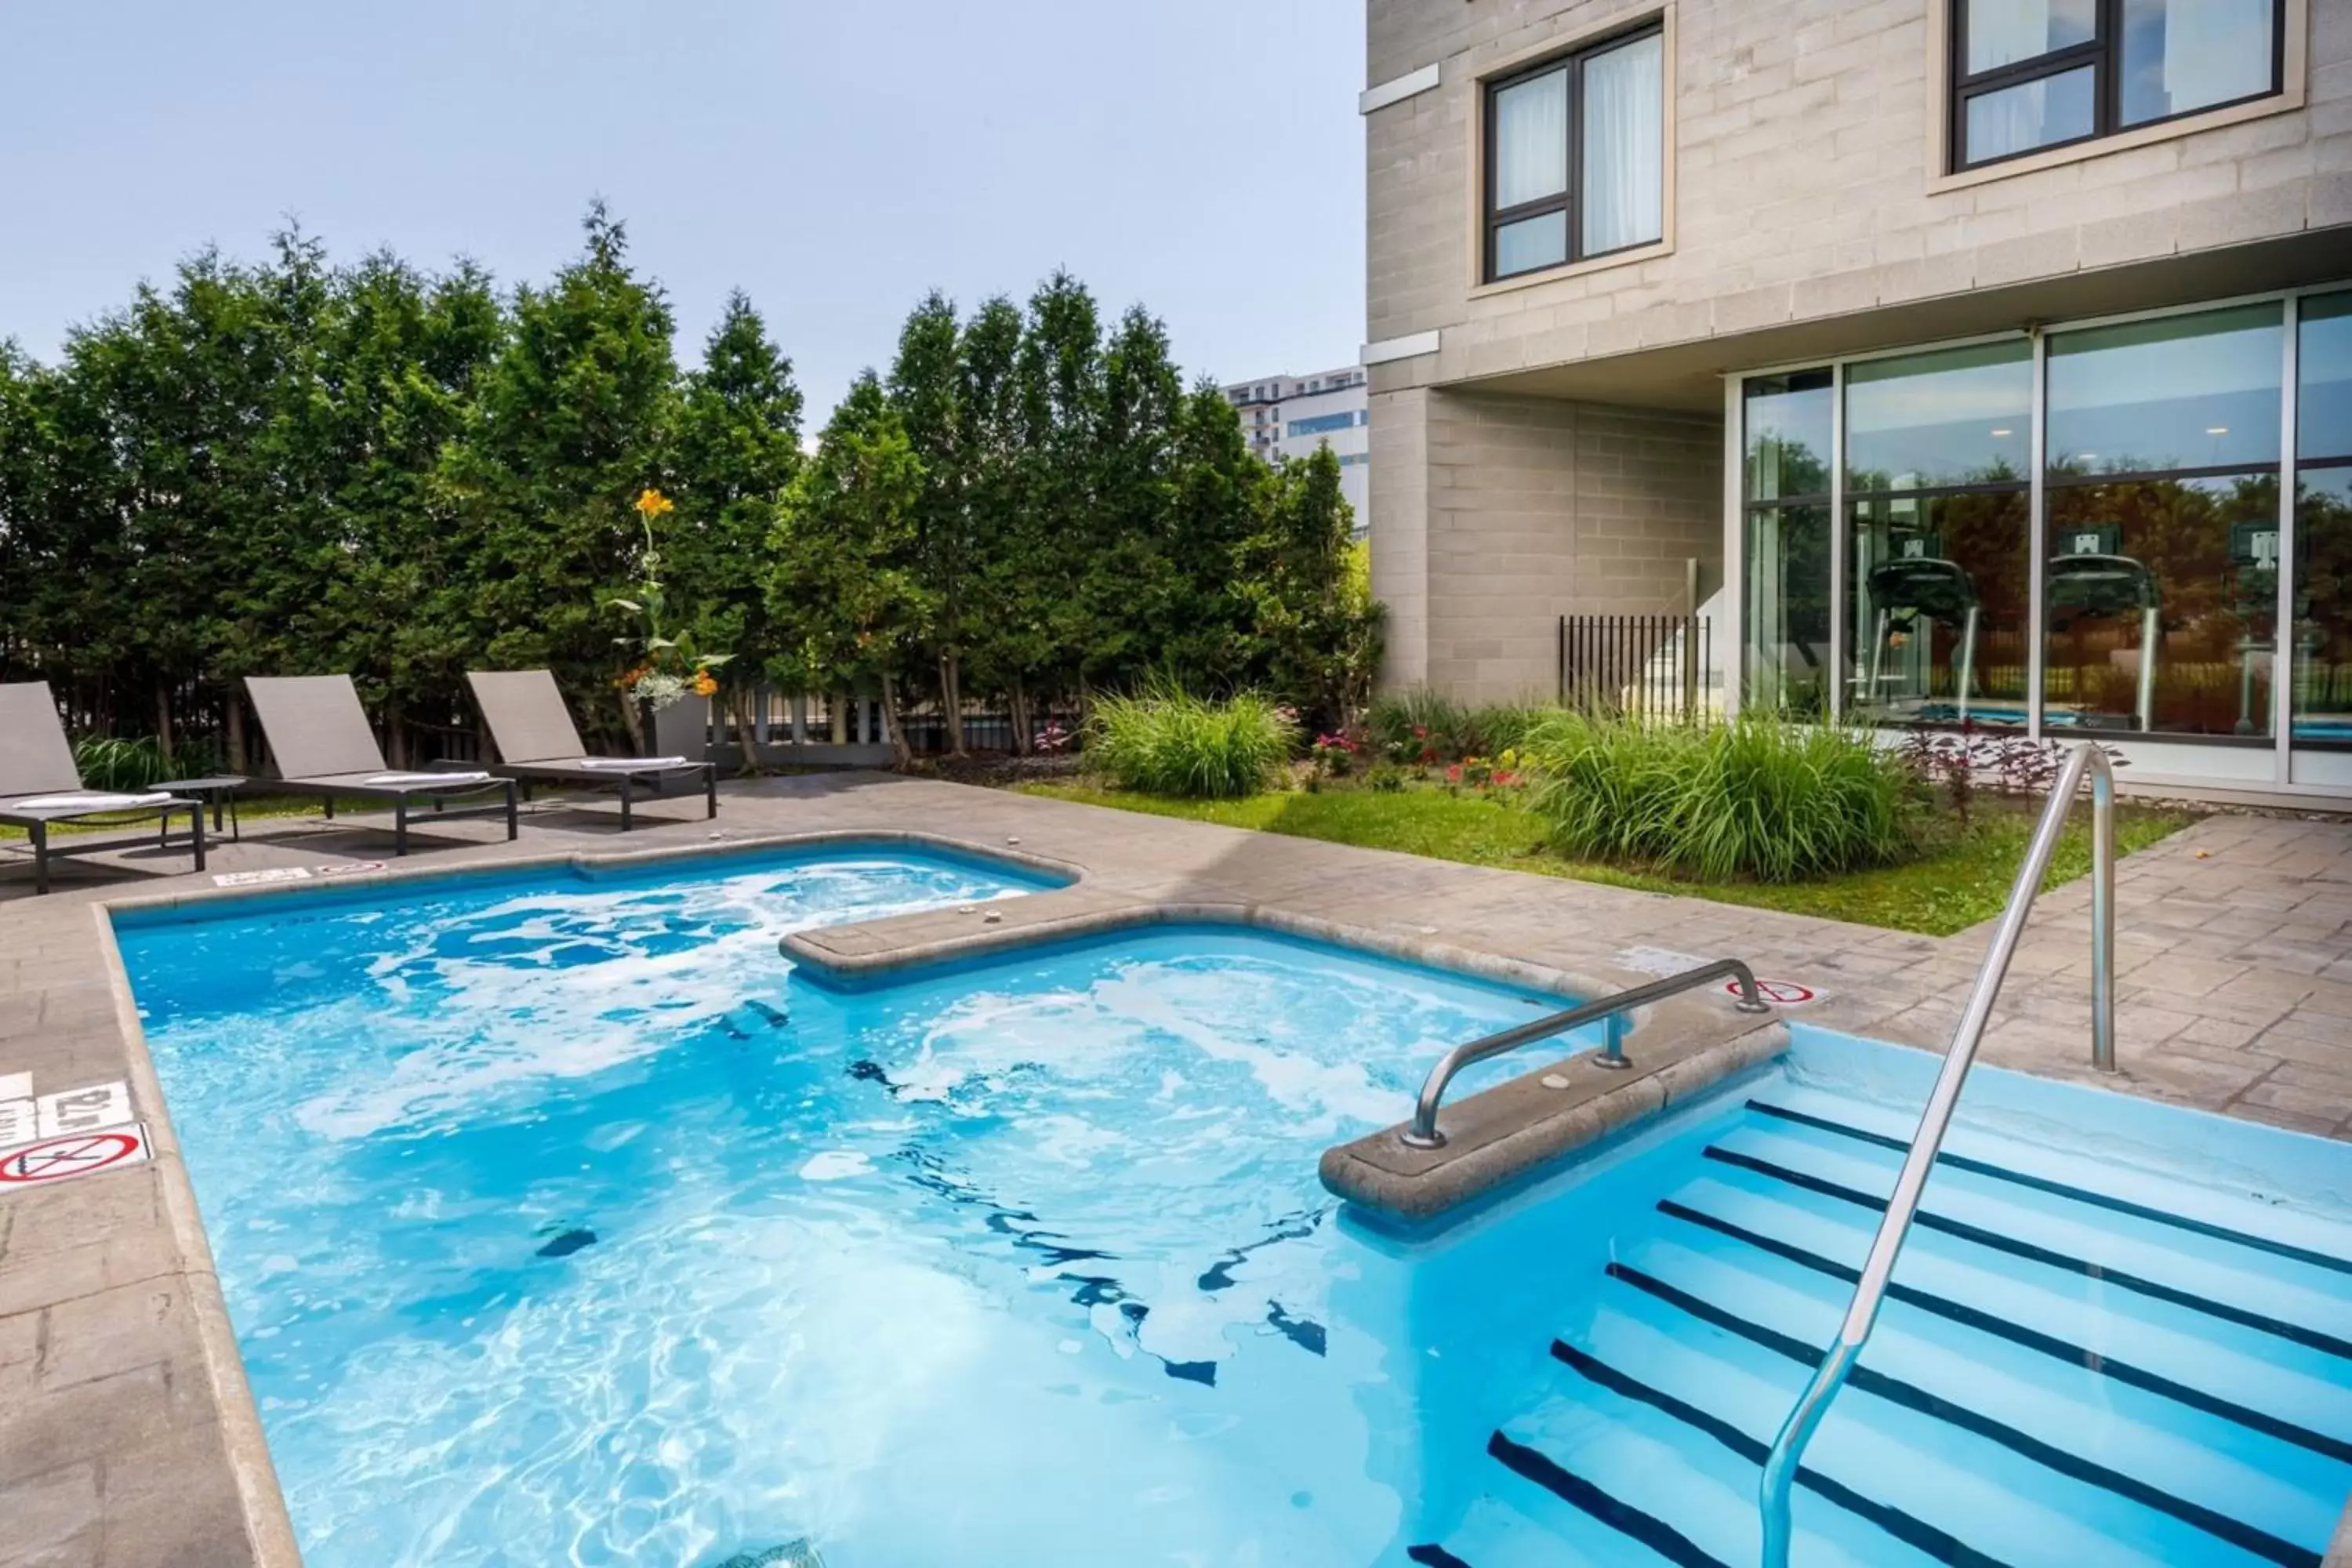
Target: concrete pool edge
862, 953
1518, 1130
270, 1525
589, 863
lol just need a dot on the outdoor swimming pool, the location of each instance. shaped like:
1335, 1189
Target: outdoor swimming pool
558, 1223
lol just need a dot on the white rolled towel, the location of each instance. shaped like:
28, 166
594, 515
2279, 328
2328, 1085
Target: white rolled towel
423, 781
93, 801
631, 764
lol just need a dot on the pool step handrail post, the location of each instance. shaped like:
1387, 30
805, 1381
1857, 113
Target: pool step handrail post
1878, 1270
1422, 1131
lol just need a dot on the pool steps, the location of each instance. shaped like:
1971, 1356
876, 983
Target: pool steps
2062, 1375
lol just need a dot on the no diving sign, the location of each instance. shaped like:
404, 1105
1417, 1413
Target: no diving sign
75, 1154
1779, 993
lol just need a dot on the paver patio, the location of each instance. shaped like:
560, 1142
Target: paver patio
126, 1434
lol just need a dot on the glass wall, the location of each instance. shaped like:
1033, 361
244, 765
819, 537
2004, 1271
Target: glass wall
1939, 558
2322, 691
1786, 425
1906, 592
2161, 582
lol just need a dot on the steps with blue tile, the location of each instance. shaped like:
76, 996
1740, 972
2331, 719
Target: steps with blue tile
2079, 1364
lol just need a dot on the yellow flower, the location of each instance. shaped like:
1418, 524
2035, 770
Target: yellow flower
652, 503
704, 686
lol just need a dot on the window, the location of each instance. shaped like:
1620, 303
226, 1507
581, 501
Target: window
1321, 423
2323, 525
1787, 420
2159, 583
1938, 553
2034, 74
1576, 157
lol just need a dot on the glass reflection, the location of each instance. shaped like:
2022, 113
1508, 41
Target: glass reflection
2042, 112
2322, 608
1938, 627
2185, 55
2003, 32
2181, 392
1788, 435
2323, 378
1958, 417
1788, 608
2162, 598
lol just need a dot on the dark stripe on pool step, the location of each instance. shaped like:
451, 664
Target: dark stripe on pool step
1434, 1556
1894, 1391
2033, 1339
2064, 1190
1927, 1219
1623, 1517
1907, 1527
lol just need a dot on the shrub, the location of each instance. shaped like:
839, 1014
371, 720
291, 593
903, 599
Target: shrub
1420, 726
1167, 742
108, 763
1759, 797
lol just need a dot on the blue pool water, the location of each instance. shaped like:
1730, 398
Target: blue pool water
560, 1223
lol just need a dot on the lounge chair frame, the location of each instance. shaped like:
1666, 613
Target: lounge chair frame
41, 762
538, 743
319, 735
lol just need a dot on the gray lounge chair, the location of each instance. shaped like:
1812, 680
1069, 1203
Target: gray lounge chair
538, 743
40, 785
319, 735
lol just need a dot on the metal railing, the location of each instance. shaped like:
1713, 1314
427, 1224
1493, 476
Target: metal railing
1878, 1268
1422, 1133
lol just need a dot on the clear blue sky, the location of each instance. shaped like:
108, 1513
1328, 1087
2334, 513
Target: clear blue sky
1203, 157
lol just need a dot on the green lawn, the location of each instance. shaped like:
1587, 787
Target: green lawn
1957, 884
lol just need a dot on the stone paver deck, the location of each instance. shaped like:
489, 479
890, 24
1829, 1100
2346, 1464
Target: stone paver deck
127, 1434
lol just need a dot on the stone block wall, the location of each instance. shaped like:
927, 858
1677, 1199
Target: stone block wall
1500, 514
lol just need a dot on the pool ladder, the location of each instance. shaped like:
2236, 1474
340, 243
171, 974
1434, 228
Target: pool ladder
1878, 1268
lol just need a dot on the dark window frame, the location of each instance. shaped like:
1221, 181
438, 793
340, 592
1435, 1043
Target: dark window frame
1568, 199
2104, 54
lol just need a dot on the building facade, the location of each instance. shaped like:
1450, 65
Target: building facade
1291, 416
1982, 360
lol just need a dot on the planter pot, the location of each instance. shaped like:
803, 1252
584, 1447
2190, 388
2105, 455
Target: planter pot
681, 730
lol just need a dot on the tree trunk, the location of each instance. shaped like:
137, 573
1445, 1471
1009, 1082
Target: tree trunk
836, 708
396, 737
631, 724
1024, 737
951, 699
163, 716
739, 703
901, 754
236, 760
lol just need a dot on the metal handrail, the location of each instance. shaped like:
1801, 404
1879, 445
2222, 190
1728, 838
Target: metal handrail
1878, 1268
1423, 1132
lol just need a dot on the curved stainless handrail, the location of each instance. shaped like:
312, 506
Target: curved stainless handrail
1423, 1132
1878, 1268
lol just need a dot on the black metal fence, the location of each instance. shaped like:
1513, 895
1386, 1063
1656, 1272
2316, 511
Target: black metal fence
1646, 666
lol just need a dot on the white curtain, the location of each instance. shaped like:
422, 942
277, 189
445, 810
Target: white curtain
1531, 140
1624, 146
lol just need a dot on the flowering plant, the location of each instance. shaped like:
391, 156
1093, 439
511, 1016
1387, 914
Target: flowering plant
1053, 739
667, 667
1335, 753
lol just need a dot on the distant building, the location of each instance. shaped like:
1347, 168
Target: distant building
1290, 415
